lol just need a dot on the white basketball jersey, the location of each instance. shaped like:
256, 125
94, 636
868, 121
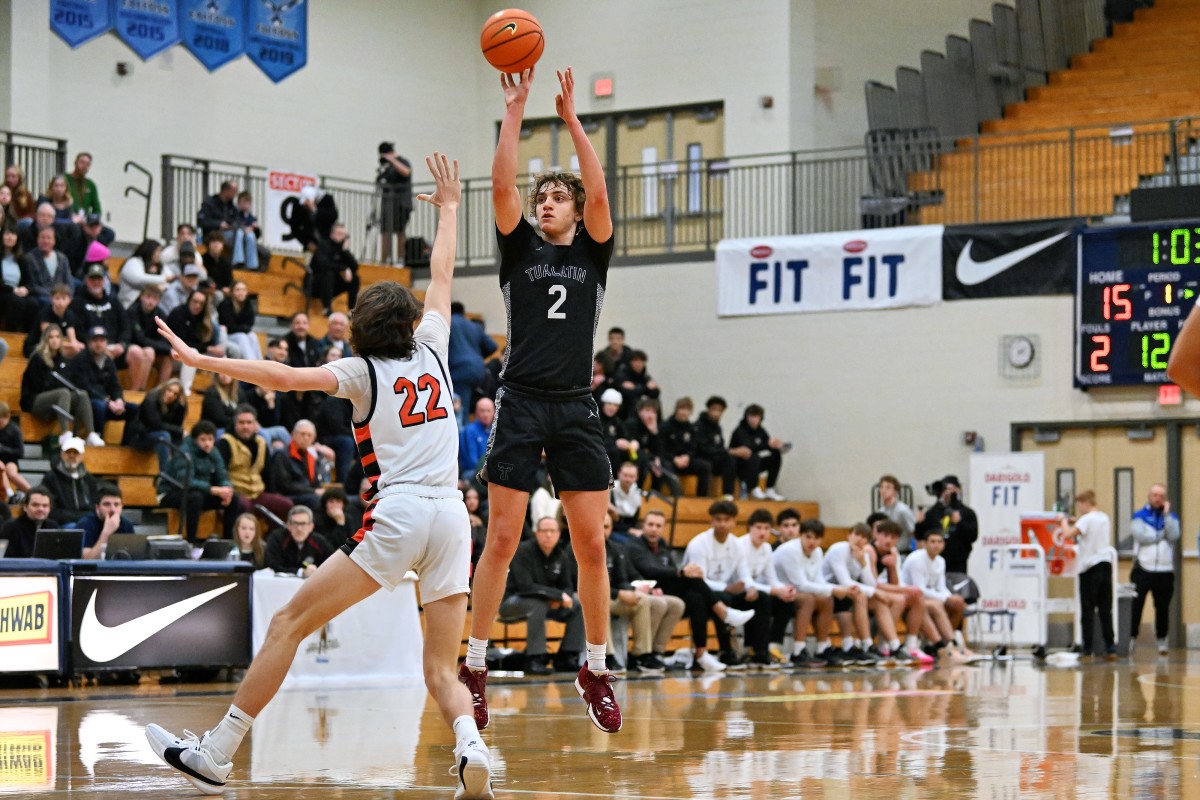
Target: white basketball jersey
404, 421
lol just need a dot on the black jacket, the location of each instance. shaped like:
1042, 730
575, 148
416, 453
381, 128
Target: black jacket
710, 440
333, 418
657, 565
12, 442
532, 573
237, 321
679, 438
309, 356
650, 445
143, 330
187, 326
39, 377
284, 555
213, 211
107, 311
309, 227
20, 533
619, 569
98, 380
71, 497
331, 257
47, 315
150, 417
960, 537
216, 410
289, 476
755, 438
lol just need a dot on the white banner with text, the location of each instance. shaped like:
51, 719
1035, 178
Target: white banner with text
281, 185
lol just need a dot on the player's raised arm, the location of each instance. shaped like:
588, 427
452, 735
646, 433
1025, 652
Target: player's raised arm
506, 198
1184, 366
597, 217
268, 374
446, 196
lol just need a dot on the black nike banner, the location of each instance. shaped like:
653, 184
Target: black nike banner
1009, 260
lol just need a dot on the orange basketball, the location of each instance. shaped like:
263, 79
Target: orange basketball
512, 40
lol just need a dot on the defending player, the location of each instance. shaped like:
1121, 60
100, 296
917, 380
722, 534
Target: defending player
553, 278
408, 443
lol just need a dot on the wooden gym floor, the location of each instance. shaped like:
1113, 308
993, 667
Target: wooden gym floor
1130, 729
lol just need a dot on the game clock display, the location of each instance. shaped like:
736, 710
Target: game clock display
1134, 288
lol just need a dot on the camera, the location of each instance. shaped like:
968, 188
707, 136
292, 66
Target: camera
935, 488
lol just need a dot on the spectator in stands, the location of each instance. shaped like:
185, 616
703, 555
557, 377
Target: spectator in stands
902, 600
542, 585
1091, 532
847, 564
303, 350
332, 519
59, 196
957, 522
652, 559
925, 569
268, 404
237, 313
105, 520
73, 489
21, 531
218, 212
246, 453
334, 270
84, 194
95, 373
600, 382
249, 541
897, 511
797, 563
202, 472
625, 504
181, 252
22, 205
41, 390
337, 335
159, 421
616, 444
296, 470
334, 427
45, 267
469, 346
633, 382
297, 550
178, 292
67, 236
193, 323
472, 441
651, 452
89, 245
781, 596
788, 527
216, 264
143, 326
1155, 532
95, 306
12, 450
679, 437
17, 308
6, 216
725, 570
309, 216
143, 268
59, 314
394, 178
615, 355
756, 452
222, 398
246, 234
710, 445
647, 613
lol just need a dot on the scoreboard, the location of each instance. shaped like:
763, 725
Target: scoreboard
1134, 288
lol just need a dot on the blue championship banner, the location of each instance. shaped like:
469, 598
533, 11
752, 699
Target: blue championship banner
148, 26
79, 21
277, 36
213, 30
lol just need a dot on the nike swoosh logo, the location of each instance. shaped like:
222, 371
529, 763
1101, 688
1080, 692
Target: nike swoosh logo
510, 27
102, 643
971, 272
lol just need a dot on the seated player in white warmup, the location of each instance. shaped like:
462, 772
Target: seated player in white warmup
408, 444
925, 569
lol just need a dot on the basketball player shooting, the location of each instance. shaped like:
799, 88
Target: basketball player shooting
408, 443
552, 274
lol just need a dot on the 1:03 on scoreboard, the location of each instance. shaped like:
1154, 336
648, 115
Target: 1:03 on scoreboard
1134, 287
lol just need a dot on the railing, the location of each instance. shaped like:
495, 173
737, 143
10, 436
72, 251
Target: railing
682, 209
39, 157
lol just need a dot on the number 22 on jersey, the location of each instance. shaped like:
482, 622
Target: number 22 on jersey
408, 415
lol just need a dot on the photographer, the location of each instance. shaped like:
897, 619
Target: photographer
956, 521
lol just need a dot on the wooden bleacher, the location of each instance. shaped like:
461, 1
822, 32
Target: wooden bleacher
1144, 72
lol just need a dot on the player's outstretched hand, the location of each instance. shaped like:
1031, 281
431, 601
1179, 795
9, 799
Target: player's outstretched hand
181, 351
447, 189
564, 101
514, 91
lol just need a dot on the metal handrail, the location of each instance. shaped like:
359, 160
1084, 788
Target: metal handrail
144, 194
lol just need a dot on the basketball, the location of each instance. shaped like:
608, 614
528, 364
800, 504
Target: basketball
512, 40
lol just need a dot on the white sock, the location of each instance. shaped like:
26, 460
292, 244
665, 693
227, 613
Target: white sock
911, 643
224, 740
958, 639
847, 644
476, 652
797, 647
465, 730
595, 658
893, 645
822, 646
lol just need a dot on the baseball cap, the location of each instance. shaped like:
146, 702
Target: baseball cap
387, 147
70, 442
97, 331
611, 396
952, 479
92, 219
191, 270
95, 271
187, 252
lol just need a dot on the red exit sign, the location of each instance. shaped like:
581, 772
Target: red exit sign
1169, 395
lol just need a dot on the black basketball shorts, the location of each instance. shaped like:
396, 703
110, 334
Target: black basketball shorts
843, 604
568, 430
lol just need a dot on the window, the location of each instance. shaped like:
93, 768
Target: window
695, 178
649, 181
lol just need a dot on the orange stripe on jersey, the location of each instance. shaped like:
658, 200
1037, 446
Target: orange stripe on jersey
362, 434
369, 458
368, 523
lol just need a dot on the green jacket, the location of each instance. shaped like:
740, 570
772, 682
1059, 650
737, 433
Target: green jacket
86, 197
208, 469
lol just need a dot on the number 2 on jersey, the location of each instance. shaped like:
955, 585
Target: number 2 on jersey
409, 417
561, 291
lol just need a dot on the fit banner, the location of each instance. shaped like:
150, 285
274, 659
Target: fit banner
80, 21
844, 271
1022, 258
277, 36
148, 26
213, 30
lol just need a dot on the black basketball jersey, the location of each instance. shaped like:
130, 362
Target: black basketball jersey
553, 294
